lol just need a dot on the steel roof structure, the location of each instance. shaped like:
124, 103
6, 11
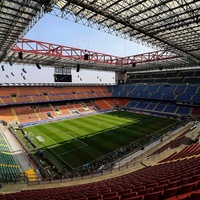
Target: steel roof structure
170, 26
17, 17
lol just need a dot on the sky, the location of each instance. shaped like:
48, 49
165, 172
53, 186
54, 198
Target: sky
55, 30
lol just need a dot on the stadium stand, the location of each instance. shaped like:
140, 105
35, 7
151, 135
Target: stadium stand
177, 77
193, 149
176, 180
166, 91
143, 184
7, 114
102, 104
9, 170
25, 114
168, 96
122, 102
17, 95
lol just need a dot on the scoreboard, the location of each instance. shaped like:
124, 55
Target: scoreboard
62, 74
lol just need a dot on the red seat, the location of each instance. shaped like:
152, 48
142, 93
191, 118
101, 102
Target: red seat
131, 194
169, 192
162, 182
79, 198
172, 184
197, 186
185, 188
183, 181
174, 179
151, 185
108, 195
94, 197
138, 188
178, 198
2, 197
112, 198
159, 188
194, 196
194, 178
135, 198
152, 196
145, 191
126, 191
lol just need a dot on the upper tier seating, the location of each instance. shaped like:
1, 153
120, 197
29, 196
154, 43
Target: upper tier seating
191, 77
20, 95
180, 92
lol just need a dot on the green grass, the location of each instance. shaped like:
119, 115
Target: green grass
81, 140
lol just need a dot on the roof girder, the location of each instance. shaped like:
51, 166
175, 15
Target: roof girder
17, 18
126, 23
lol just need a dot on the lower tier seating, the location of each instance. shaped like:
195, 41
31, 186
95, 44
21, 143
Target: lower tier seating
172, 180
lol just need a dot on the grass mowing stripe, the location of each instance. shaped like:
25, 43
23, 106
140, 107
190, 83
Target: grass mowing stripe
105, 117
131, 131
114, 120
66, 147
77, 129
63, 134
114, 130
68, 130
86, 127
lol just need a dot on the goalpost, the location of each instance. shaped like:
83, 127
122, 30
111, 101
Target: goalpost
41, 139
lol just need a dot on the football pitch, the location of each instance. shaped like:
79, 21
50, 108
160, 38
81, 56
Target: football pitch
75, 142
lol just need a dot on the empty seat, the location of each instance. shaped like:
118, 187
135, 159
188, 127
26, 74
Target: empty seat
183, 181
194, 196
170, 192
197, 186
172, 184
126, 191
159, 188
135, 198
108, 195
162, 182
138, 188
194, 178
152, 196
185, 188
79, 198
145, 191
94, 197
130, 195
151, 185
112, 198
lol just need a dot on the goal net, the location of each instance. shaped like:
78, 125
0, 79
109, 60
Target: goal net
40, 139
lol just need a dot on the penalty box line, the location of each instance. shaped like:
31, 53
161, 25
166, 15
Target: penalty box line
84, 145
56, 153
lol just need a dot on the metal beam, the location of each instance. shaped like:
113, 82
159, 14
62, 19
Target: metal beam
50, 50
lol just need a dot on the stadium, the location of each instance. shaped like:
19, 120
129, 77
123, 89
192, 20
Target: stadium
134, 137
